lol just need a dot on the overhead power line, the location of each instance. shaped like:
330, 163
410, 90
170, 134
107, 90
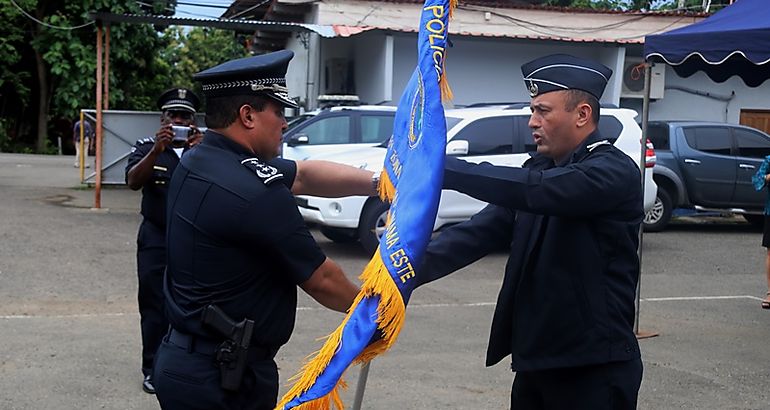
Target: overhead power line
43, 23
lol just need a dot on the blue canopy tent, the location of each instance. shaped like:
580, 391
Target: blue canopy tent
733, 41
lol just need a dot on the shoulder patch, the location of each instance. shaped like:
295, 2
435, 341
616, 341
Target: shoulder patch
267, 173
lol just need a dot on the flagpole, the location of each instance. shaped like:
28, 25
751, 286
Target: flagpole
361, 386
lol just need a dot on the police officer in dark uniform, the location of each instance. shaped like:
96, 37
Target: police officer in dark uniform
238, 247
150, 165
570, 221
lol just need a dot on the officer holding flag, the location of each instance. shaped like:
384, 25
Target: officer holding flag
570, 221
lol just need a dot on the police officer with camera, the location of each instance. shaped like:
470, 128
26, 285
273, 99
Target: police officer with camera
150, 165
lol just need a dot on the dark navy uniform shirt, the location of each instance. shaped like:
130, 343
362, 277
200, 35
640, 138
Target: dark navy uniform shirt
236, 240
155, 190
567, 298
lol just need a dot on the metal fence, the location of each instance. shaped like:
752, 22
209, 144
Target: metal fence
121, 130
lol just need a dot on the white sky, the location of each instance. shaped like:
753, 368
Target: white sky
188, 11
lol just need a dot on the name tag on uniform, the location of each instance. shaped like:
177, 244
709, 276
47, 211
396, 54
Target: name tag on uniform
159, 168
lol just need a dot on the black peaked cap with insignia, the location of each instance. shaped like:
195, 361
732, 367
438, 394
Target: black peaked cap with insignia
178, 99
263, 74
563, 72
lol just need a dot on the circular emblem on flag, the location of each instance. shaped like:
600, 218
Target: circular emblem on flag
415, 115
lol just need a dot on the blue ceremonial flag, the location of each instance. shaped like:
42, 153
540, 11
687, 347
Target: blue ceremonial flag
411, 181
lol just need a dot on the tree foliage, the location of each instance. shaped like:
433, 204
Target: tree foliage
48, 68
190, 51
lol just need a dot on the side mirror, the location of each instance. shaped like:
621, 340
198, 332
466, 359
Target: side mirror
298, 139
457, 147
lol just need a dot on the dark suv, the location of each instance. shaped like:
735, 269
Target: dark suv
706, 166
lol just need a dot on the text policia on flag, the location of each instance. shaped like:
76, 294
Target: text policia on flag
411, 181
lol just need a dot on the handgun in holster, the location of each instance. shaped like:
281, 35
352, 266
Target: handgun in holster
231, 355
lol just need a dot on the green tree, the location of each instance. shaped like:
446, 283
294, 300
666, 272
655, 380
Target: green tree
48, 62
60, 65
194, 50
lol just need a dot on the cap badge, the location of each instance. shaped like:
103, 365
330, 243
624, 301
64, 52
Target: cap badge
182, 93
533, 90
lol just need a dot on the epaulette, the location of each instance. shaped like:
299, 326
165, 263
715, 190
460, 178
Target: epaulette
267, 173
148, 140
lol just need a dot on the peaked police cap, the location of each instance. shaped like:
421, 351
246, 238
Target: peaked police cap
564, 72
178, 99
263, 74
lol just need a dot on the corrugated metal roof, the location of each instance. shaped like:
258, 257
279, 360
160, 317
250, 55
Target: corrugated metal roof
519, 23
228, 24
522, 5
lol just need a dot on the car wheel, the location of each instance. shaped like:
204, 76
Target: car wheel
757, 221
340, 235
372, 224
656, 219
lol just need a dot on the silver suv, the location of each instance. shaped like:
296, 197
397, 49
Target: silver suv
500, 136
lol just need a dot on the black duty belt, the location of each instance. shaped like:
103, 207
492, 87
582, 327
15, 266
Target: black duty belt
208, 347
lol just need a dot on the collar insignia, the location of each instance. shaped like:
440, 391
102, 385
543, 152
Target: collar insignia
591, 147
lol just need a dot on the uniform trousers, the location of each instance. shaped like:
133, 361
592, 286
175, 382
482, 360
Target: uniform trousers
609, 386
151, 265
187, 378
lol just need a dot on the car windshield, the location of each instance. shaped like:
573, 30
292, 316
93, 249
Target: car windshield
450, 123
297, 121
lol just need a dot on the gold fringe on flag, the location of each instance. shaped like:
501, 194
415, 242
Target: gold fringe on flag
391, 312
452, 7
443, 83
386, 189
446, 91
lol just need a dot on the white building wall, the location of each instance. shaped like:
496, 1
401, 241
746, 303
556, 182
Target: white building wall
374, 68
679, 104
489, 70
297, 73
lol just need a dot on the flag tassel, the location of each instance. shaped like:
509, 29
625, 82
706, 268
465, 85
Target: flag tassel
386, 188
391, 312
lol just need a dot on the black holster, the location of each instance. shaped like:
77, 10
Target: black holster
231, 356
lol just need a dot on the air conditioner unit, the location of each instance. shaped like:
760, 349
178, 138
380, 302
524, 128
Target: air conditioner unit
633, 79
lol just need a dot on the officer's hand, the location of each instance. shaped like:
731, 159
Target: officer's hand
163, 138
195, 138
